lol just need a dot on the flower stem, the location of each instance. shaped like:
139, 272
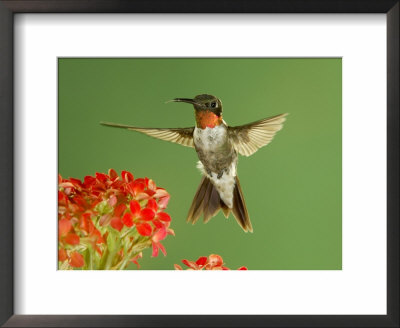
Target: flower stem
91, 258
109, 261
136, 249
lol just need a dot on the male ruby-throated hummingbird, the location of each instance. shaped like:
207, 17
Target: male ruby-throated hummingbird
217, 146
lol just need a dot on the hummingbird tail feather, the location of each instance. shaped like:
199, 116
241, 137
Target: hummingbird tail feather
225, 209
208, 202
213, 206
239, 208
197, 205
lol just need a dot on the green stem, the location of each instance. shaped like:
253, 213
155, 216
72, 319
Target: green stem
91, 257
135, 250
110, 259
104, 259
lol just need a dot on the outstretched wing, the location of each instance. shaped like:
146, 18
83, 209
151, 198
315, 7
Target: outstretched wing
182, 136
247, 139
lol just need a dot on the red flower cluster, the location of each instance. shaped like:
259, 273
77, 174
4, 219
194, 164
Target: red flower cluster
213, 262
106, 221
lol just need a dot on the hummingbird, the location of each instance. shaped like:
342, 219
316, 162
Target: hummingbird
217, 145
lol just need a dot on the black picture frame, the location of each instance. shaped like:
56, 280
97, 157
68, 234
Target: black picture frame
8, 200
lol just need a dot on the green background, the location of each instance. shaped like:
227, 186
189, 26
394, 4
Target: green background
292, 187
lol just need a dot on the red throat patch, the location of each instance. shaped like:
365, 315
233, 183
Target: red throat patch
207, 119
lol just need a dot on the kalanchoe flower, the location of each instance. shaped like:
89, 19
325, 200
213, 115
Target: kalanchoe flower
107, 220
76, 260
160, 234
213, 262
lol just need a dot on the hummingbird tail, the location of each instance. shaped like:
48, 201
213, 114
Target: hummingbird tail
239, 208
208, 202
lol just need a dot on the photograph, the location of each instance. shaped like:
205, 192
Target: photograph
199, 163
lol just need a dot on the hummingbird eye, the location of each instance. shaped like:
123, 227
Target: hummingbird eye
213, 104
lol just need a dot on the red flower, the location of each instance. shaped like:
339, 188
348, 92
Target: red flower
147, 214
163, 217
120, 209
127, 219
65, 234
134, 207
213, 262
152, 204
107, 210
127, 176
155, 240
62, 255
144, 229
76, 260
117, 223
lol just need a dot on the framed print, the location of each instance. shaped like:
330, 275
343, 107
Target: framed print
313, 224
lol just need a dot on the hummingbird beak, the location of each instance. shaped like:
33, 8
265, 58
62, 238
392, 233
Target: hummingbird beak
186, 100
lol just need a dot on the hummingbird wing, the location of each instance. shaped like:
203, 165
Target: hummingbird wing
247, 139
182, 136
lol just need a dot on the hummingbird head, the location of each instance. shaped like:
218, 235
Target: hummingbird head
208, 110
